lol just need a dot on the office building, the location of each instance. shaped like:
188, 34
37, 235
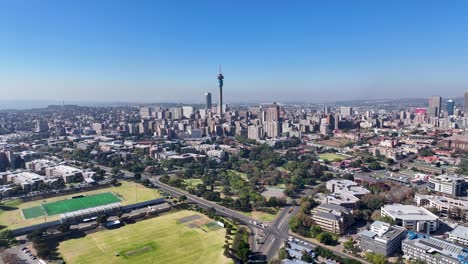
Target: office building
450, 107
207, 101
382, 238
176, 112
346, 111
411, 217
449, 184
145, 112
272, 113
465, 104
332, 218
272, 129
459, 235
346, 187
432, 250
187, 111
255, 132
435, 103
41, 126
444, 205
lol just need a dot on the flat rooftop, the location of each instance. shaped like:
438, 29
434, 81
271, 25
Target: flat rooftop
409, 212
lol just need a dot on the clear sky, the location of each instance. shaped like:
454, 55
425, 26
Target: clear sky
269, 50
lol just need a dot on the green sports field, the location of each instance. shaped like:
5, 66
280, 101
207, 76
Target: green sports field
163, 239
70, 205
332, 156
13, 216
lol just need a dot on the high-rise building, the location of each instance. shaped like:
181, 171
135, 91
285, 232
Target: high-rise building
465, 105
272, 113
346, 111
450, 107
326, 110
207, 100
272, 129
41, 126
187, 111
145, 111
435, 104
220, 84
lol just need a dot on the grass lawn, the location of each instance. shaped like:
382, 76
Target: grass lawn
332, 157
243, 175
129, 192
158, 240
263, 216
192, 182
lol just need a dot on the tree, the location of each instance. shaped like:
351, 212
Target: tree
327, 238
182, 198
137, 176
315, 230
283, 253
349, 244
376, 258
306, 257
375, 165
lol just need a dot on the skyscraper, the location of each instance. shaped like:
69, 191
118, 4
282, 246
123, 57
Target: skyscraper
435, 104
220, 83
272, 113
346, 111
465, 105
450, 107
207, 100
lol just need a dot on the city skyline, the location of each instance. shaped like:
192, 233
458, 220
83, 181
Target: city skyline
302, 51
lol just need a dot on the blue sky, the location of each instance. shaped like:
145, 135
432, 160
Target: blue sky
270, 50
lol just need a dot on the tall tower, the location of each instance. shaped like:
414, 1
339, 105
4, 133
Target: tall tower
208, 101
220, 83
435, 103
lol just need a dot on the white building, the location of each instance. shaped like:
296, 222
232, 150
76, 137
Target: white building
459, 235
449, 184
411, 217
444, 205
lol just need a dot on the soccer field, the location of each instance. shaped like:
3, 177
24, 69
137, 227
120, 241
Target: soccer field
70, 205
162, 239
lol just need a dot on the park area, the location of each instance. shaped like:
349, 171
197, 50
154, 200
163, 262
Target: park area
332, 157
177, 237
11, 212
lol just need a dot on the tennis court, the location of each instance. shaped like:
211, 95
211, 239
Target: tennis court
70, 205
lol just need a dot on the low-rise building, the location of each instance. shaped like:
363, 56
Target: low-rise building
382, 238
332, 218
411, 217
449, 184
443, 205
432, 250
67, 173
459, 235
346, 187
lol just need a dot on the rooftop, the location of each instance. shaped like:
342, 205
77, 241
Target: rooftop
437, 246
460, 231
409, 212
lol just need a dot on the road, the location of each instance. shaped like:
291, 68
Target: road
275, 234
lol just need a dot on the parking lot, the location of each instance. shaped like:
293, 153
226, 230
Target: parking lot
18, 255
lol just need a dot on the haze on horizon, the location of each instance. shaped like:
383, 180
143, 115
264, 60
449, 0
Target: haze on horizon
270, 50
